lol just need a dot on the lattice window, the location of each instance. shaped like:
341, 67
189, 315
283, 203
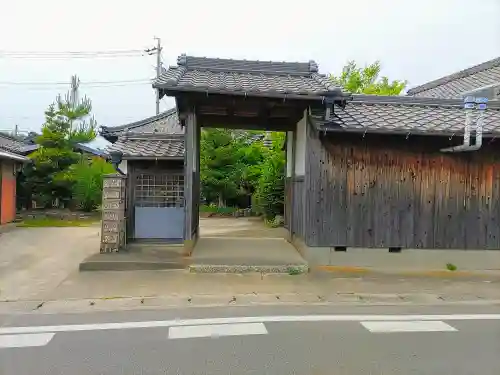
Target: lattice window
159, 190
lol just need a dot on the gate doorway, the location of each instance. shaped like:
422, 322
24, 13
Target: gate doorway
159, 206
247, 95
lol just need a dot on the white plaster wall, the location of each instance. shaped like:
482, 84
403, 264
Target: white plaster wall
123, 166
289, 154
300, 147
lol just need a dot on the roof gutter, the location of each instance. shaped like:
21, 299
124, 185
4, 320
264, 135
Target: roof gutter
278, 95
12, 156
469, 104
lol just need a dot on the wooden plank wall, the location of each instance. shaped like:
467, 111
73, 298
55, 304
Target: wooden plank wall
384, 191
298, 206
288, 202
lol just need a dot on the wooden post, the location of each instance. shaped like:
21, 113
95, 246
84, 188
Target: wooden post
113, 231
189, 182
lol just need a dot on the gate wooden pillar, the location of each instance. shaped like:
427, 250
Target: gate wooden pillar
113, 230
191, 182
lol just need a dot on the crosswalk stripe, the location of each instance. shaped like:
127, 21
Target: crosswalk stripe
408, 326
244, 319
217, 330
25, 341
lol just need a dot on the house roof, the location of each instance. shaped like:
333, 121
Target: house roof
246, 77
11, 144
87, 147
149, 146
405, 115
454, 85
159, 136
165, 123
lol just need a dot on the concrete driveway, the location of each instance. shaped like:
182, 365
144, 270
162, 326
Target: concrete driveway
33, 261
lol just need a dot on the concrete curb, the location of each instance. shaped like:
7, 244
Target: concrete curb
241, 300
215, 268
438, 274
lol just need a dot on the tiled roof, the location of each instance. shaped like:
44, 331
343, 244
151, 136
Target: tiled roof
159, 136
10, 144
165, 123
454, 85
405, 115
245, 77
146, 146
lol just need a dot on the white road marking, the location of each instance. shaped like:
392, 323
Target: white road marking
410, 326
25, 341
252, 319
216, 330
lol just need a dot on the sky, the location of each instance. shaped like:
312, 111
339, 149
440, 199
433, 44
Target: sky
415, 40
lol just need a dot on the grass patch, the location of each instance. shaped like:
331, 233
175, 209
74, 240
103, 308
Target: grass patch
451, 267
217, 210
50, 222
294, 271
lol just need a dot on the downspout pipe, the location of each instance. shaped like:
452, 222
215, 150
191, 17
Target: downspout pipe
469, 104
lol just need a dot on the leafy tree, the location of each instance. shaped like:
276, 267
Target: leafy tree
86, 178
230, 165
220, 167
366, 80
270, 193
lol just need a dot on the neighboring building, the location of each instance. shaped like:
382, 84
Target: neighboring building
87, 148
152, 152
479, 80
11, 159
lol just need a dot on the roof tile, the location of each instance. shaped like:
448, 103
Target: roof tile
245, 76
149, 146
165, 123
454, 85
10, 144
406, 115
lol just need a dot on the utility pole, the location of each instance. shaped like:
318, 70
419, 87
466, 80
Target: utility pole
150, 51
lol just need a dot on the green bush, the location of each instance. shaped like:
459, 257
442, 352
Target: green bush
270, 194
86, 178
212, 208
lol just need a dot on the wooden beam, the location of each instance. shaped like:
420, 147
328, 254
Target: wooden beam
199, 100
254, 123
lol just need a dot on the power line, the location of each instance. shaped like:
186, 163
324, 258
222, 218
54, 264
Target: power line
66, 83
70, 54
116, 51
38, 85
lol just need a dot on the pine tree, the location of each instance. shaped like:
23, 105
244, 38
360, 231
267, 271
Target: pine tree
65, 124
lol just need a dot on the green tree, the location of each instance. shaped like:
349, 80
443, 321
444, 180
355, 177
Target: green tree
367, 80
270, 192
220, 167
86, 178
230, 165
65, 124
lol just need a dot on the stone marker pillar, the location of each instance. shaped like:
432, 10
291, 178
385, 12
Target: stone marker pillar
113, 235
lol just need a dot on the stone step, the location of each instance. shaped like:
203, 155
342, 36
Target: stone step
130, 261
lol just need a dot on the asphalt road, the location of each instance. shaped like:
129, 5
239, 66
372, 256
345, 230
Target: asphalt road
256, 340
